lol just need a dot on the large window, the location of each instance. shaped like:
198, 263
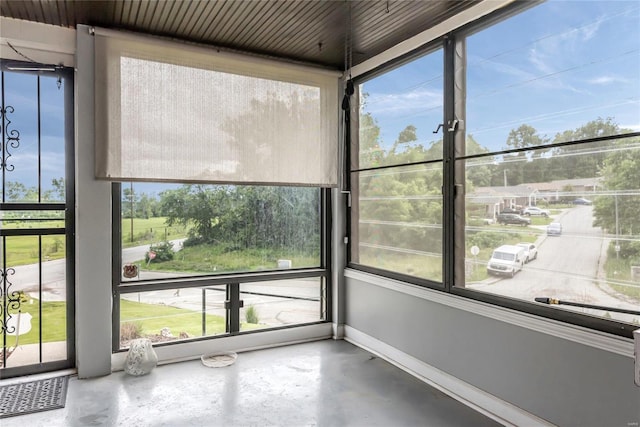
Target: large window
397, 171
543, 113
204, 260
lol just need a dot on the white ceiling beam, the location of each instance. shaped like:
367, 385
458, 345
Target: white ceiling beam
42, 43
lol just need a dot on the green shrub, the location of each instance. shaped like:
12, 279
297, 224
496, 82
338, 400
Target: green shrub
251, 315
163, 251
130, 331
486, 239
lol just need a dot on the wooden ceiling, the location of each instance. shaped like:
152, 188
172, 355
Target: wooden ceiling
308, 31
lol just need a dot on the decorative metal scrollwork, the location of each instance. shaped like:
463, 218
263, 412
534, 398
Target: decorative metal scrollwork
11, 138
11, 301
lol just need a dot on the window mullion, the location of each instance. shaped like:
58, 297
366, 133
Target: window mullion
448, 184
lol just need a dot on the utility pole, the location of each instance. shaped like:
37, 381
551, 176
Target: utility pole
504, 172
617, 248
132, 209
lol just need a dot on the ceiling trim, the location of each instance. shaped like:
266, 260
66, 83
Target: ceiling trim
43, 43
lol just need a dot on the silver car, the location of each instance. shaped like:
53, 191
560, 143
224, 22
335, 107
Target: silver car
554, 229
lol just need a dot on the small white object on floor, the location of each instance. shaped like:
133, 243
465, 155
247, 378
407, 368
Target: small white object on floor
141, 358
219, 360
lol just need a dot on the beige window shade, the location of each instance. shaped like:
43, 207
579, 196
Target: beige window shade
178, 113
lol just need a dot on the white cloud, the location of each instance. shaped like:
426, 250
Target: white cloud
403, 103
606, 80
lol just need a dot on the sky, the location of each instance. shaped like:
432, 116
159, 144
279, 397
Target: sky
555, 67
21, 93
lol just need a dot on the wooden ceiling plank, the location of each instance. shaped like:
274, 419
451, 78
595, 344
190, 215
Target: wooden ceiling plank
187, 18
176, 17
279, 28
301, 27
237, 21
315, 31
201, 15
209, 25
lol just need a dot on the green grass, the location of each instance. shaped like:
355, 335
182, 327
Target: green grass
53, 321
22, 250
147, 231
151, 317
619, 270
213, 258
154, 317
426, 267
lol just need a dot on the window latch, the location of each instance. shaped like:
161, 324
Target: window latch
348, 193
453, 125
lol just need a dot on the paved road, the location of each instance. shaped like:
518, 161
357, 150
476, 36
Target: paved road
566, 268
26, 277
272, 309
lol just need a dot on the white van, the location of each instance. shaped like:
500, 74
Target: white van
506, 260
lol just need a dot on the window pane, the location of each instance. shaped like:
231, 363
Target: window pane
34, 139
399, 111
558, 72
174, 314
396, 211
558, 222
185, 230
35, 297
575, 239
280, 303
399, 226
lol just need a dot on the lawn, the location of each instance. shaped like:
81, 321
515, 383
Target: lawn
619, 270
151, 318
53, 321
147, 231
23, 250
214, 258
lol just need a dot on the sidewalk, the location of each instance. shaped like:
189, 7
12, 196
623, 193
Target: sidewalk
29, 354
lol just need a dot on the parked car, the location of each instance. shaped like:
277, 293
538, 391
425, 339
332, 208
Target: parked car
506, 260
530, 251
581, 201
554, 229
513, 219
532, 210
512, 211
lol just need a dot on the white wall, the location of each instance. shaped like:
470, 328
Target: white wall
93, 229
586, 381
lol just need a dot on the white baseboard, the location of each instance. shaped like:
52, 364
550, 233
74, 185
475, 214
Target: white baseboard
481, 401
338, 331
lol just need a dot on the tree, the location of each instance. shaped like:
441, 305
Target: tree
621, 175
478, 173
198, 206
580, 161
246, 217
525, 136
523, 167
18, 192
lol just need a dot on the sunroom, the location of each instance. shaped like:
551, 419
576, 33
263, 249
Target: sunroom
228, 176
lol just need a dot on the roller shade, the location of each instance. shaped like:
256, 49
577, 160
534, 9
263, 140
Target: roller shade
173, 112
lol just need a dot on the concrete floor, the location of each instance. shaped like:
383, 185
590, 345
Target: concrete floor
325, 383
